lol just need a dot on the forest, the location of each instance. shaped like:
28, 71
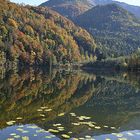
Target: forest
125, 63
39, 36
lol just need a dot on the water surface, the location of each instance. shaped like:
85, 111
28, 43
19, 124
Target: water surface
40, 105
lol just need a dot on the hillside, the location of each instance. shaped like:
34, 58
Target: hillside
38, 35
69, 8
115, 30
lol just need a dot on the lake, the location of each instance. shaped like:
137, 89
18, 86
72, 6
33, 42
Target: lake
69, 104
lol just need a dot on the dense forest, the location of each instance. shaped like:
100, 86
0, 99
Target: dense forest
38, 35
116, 30
130, 62
112, 24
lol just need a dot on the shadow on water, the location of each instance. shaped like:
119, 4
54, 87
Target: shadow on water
68, 104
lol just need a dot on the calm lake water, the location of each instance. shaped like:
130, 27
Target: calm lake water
76, 105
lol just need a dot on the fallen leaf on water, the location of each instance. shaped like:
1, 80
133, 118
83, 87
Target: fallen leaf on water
122, 138
88, 136
20, 129
97, 127
48, 110
112, 127
40, 131
13, 134
43, 119
118, 134
10, 122
75, 139
25, 138
42, 115
32, 127
60, 127
65, 136
43, 107
53, 131
19, 118
21, 126
48, 137
130, 134
73, 114
61, 114
76, 124
106, 126
81, 138
39, 110
17, 136
55, 125
25, 131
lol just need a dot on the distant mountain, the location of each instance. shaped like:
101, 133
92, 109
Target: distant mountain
69, 8
131, 8
73, 8
38, 35
115, 29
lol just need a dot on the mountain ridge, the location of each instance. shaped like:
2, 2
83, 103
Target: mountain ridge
76, 10
114, 28
68, 8
131, 8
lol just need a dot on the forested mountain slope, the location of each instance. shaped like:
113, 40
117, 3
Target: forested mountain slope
115, 29
38, 35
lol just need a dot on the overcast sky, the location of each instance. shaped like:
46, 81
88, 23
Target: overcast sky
37, 2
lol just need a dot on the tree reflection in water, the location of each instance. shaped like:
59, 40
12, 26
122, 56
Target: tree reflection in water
70, 103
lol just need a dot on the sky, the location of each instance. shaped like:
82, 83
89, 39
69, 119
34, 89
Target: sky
37, 2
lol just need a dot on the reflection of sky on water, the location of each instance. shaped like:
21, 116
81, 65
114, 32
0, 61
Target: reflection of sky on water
126, 135
33, 132
26, 132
